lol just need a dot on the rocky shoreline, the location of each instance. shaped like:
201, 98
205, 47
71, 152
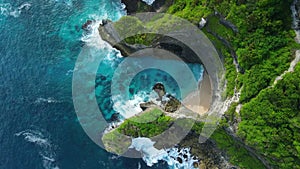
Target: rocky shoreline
208, 154
109, 34
205, 155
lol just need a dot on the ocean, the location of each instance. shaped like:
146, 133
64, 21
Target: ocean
39, 46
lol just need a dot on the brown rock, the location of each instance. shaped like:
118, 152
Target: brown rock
172, 105
159, 88
147, 105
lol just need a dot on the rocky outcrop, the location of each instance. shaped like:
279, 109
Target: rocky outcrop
109, 34
172, 104
115, 117
159, 88
169, 103
209, 156
147, 105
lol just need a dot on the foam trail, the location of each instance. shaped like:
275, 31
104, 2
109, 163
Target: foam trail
6, 9
46, 100
44, 144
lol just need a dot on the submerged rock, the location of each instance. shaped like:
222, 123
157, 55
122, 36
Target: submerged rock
115, 117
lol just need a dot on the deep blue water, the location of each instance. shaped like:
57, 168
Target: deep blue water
39, 45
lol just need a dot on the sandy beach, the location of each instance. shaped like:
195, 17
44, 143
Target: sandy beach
200, 102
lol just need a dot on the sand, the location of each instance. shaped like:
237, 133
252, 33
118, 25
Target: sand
200, 102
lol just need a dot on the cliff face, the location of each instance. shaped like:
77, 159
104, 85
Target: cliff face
109, 34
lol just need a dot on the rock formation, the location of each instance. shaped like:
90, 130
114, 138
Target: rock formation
159, 88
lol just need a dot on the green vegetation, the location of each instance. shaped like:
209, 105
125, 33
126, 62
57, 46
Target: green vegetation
237, 153
134, 31
235, 150
148, 124
115, 142
264, 43
191, 10
265, 46
130, 25
271, 122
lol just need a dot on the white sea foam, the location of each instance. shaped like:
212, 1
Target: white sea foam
46, 100
92, 37
111, 126
70, 72
149, 2
131, 107
151, 155
114, 157
25, 6
46, 150
6, 9
34, 136
184, 154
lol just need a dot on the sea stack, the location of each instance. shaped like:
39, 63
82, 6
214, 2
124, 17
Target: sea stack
159, 88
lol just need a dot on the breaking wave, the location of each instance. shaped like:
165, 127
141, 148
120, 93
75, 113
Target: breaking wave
175, 157
6, 9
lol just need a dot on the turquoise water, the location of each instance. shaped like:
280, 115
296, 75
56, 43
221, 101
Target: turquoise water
40, 42
139, 87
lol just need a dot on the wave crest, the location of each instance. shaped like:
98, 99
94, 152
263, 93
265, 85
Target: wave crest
46, 150
6, 9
